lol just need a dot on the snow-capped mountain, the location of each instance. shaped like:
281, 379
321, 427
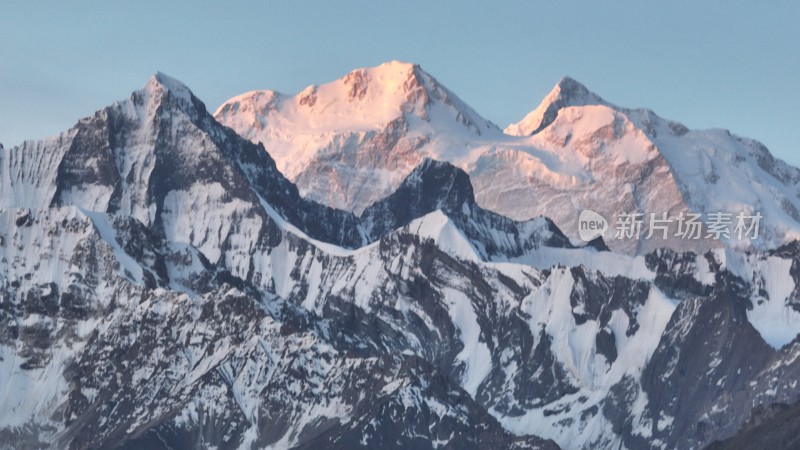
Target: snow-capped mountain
711, 170
163, 285
351, 142
364, 132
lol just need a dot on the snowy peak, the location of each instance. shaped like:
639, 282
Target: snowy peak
567, 92
391, 89
570, 89
156, 156
381, 122
384, 80
161, 90
364, 99
162, 81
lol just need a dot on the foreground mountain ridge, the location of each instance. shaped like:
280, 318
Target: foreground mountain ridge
165, 286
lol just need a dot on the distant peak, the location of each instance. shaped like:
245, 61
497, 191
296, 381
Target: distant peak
391, 72
167, 83
160, 84
567, 92
570, 87
390, 94
161, 77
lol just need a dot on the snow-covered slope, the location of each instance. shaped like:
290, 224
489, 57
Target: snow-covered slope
351, 142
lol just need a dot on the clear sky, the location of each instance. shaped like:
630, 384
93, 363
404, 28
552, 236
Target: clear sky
727, 64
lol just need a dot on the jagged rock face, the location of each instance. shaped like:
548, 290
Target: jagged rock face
445, 189
432, 186
153, 157
773, 427
179, 293
363, 134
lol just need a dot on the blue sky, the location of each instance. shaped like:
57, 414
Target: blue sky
731, 64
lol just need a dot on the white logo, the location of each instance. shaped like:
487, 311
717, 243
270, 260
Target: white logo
591, 225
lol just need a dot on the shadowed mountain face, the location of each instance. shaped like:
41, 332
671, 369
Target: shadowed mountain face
773, 427
163, 285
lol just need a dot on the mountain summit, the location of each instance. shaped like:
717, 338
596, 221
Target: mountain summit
364, 99
567, 92
163, 82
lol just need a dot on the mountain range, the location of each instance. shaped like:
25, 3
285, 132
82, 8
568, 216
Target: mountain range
371, 264
351, 142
